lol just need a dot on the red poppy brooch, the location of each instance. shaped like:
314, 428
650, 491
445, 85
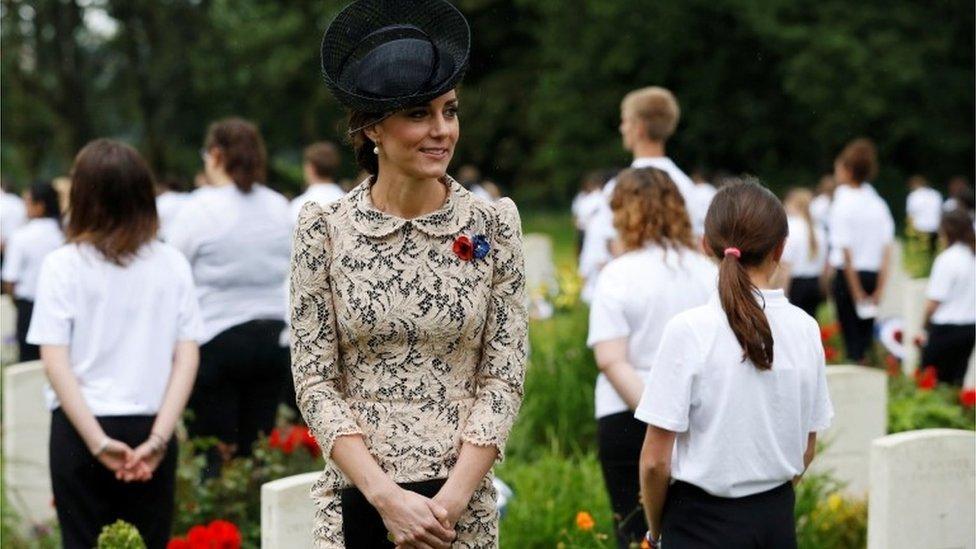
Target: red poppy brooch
468, 248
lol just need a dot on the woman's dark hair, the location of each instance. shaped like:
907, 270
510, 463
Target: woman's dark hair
44, 193
957, 226
242, 149
648, 208
747, 217
860, 157
363, 146
112, 204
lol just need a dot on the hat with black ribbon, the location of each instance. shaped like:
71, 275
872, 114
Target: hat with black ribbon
380, 56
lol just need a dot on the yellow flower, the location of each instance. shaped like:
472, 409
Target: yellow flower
584, 521
834, 502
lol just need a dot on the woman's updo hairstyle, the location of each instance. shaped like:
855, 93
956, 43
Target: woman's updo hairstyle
648, 209
363, 146
744, 225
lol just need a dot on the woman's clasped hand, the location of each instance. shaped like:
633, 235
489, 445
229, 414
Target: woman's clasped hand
128, 464
415, 521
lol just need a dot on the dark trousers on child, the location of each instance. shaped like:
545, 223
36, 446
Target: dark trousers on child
948, 349
806, 294
858, 333
87, 497
26, 351
695, 519
238, 387
620, 437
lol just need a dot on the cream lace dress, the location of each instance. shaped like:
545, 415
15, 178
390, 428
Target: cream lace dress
397, 338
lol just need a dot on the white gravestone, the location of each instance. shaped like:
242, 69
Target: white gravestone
892, 300
8, 330
287, 512
860, 399
922, 490
26, 428
913, 314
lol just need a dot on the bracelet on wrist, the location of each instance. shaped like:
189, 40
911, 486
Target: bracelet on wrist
102, 447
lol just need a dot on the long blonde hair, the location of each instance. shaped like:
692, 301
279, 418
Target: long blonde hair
798, 200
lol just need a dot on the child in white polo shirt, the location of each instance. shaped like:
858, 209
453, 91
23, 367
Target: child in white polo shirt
25, 251
736, 394
117, 321
950, 311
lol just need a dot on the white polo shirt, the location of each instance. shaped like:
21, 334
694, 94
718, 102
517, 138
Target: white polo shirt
740, 431
803, 263
121, 324
168, 206
636, 295
13, 214
600, 232
924, 208
860, 221
25, 251
820, 210
322, 193
953, 284
239, 247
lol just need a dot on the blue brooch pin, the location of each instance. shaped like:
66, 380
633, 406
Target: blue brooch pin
481, 246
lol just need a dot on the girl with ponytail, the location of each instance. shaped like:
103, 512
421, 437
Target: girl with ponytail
803, 268
736, 394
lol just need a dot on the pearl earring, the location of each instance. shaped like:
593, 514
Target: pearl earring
376, 150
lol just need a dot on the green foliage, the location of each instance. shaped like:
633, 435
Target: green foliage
825, 518
911, 408
120, 535
549, 491
769, 87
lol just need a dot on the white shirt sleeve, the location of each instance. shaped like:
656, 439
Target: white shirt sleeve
183, 231
823, 410
940, 279
13, 259
53, 307
791, 251
840, 230
607, 320
190, 320
667, 398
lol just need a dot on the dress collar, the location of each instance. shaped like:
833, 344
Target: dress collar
449, 219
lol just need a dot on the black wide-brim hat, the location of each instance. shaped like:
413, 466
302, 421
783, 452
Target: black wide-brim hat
379, 56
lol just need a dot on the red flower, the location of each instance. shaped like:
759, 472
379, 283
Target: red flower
178, 543
463, 248
898, 335
312, 445
831, 353
927, 379
198, 537
224, 535
967, 397
828, 331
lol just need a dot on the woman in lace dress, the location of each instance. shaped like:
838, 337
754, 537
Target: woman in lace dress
407, 296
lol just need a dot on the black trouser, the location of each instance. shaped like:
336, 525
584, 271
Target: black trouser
806, 294
620, 437
86, 495
948, 349
26, 351
238, 386
695, 519
858, 332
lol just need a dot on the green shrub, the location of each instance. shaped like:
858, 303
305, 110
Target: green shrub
120, 535
826, 519
549, 492
911, 408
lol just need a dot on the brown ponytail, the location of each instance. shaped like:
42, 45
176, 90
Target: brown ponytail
744, 225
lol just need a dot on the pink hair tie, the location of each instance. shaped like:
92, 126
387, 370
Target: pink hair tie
733, 251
